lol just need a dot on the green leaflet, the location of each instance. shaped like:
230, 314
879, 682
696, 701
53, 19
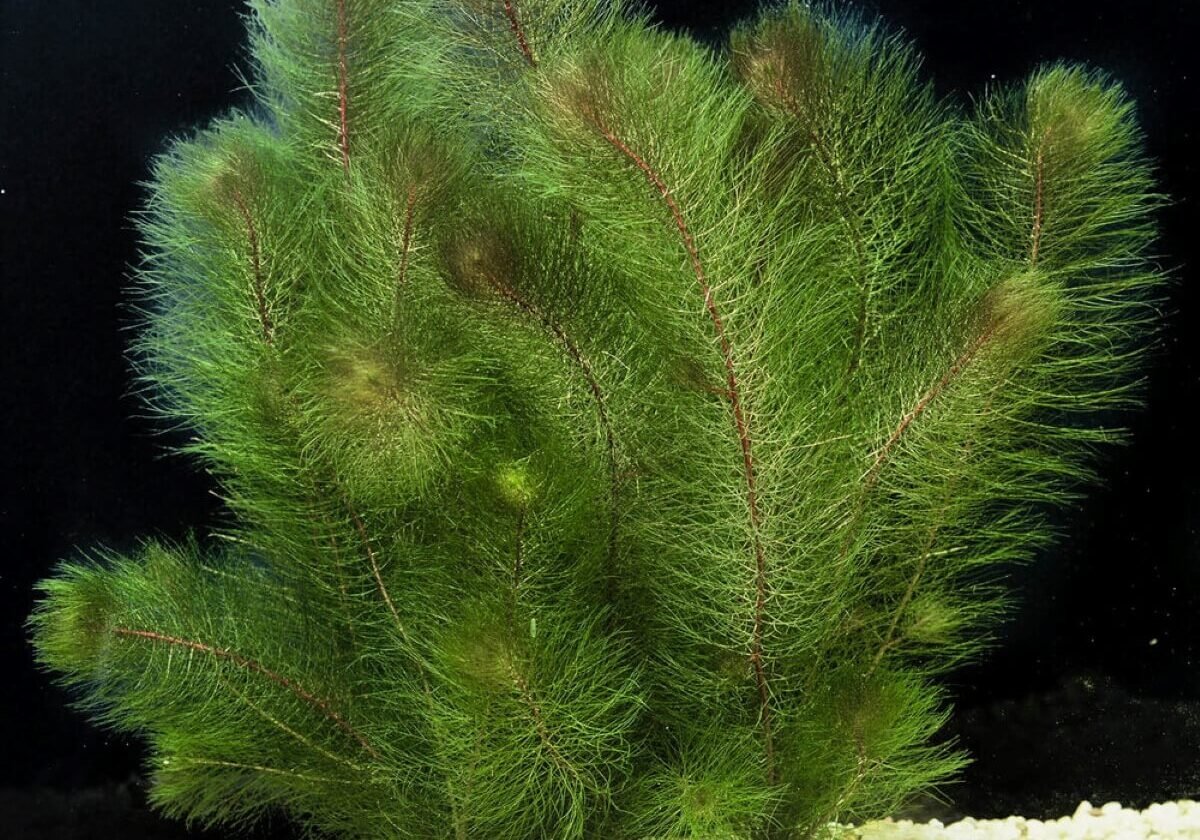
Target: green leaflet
619, 437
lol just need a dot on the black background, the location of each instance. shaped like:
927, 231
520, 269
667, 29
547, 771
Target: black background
1094, 691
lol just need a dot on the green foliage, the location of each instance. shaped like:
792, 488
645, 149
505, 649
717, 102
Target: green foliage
619, 437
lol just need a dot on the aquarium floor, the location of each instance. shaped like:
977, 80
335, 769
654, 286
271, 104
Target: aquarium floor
1110, 821
1038, 757
1087, 739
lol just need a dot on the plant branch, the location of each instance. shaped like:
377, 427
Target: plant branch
260, 296
406, 238
514, 23
543, 731
850, 220
1035, 235
259, 768
948, 378
568, 344
321, 705
741, 422
343, 87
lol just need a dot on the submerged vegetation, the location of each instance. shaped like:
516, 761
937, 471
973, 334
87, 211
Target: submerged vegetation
620, 437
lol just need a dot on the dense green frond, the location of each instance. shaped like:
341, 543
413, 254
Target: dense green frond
859, 747
490, 54
244, 699
713, 786
1054, 218
849, 143
541, 715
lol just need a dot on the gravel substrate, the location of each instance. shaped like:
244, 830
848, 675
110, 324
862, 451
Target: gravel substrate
1108, 822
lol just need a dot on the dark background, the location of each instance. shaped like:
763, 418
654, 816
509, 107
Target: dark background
1094, 691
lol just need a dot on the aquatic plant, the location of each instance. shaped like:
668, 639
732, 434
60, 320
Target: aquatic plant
619, 437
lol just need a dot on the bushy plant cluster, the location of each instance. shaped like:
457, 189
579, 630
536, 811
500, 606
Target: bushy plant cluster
619, 436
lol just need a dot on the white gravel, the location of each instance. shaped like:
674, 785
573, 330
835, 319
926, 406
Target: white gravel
1107, 822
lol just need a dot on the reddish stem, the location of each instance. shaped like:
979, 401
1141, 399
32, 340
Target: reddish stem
952, 373
539, 722
366, 541
589, 375
343, 88
849, 219
739, 419
321, 705
1035, 235
514, 23
406, 240
260, 292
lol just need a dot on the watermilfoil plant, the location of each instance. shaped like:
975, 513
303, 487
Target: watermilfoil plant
619, 436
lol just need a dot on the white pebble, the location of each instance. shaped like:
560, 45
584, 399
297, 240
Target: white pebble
1161, 821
